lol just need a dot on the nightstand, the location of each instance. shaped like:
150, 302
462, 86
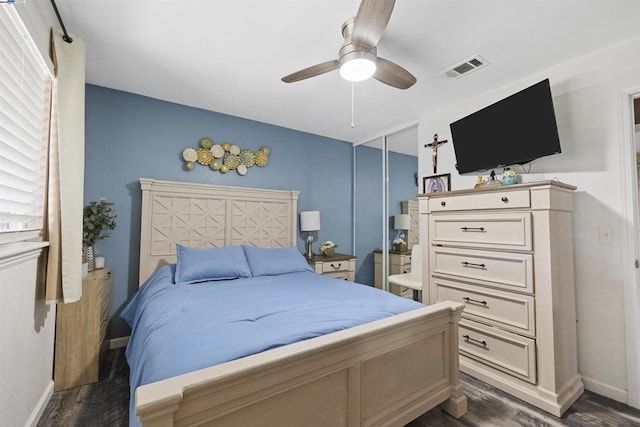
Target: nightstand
80, 332
339, 266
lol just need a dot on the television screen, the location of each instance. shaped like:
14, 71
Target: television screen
515, 130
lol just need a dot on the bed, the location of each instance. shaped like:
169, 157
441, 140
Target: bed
383, 369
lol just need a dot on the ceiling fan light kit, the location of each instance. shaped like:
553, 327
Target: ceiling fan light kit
358, 58
358, 66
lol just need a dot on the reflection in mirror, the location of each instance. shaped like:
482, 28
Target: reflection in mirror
368, 196
403, 190
374, 218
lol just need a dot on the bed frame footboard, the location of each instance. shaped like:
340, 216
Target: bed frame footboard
384, 373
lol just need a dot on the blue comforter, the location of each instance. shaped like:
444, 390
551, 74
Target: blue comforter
182, 328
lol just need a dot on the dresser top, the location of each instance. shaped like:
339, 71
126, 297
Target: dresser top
502, 188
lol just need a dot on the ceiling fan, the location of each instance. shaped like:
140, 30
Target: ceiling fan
357, 58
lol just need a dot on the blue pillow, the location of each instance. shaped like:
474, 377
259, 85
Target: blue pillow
198, 265
274, 261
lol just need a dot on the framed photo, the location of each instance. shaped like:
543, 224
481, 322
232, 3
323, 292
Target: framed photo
436, 183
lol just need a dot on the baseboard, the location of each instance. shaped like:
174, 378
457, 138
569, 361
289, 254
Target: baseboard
605, 390
40, 406
118, 342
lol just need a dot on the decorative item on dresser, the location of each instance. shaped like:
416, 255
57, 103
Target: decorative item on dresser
338, 266
436, 183
80, 331
507, 254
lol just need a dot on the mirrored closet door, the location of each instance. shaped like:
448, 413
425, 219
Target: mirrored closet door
368, 207
385, 205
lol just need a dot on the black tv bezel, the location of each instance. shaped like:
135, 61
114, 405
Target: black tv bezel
518, 161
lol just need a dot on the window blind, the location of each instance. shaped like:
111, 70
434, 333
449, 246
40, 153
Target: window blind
25, 99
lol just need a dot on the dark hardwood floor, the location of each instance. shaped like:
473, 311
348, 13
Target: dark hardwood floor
106, 403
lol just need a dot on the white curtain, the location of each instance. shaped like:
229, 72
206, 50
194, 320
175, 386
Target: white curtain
66, 171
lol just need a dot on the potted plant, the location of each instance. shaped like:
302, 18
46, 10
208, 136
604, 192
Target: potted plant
328, 248
97, 221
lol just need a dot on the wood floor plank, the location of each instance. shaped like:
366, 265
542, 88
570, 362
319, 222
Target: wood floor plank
106, 404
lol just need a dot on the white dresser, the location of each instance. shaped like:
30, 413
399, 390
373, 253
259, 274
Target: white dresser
507, 254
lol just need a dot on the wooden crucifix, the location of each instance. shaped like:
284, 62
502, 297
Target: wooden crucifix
434, 146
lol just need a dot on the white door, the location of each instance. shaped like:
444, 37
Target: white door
631, 244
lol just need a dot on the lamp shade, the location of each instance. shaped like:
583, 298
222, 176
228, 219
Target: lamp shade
310, 221
402, 222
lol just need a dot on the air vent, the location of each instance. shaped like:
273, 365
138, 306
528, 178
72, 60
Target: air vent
465, 67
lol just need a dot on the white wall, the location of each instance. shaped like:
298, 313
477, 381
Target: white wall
27, 324
586, 97
27, 328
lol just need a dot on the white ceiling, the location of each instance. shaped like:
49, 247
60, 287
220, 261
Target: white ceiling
229, 56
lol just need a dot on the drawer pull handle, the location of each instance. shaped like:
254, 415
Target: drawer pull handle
505, 199
468, 339
472, 229
338, 267
468, 300
443, 203
471, 264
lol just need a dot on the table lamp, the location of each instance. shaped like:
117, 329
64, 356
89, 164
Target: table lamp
402, 222
309, 221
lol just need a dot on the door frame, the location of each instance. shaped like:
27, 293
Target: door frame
630, 213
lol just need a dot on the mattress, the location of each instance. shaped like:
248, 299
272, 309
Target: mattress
179, 328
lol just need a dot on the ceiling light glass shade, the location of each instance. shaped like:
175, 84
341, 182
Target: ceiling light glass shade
357, 70
356, 65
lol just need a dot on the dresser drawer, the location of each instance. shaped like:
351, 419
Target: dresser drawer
506, 310
335, 266
504, 270
403, 260
399, 269
504, 351
343, 275
493, 231
489, 200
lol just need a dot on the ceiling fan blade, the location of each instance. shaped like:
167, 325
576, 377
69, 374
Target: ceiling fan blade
370, 22
312, 71
394, 75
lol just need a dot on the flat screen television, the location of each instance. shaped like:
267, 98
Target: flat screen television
514, 130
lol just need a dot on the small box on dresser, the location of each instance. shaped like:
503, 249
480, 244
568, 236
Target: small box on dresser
507, 254
80, 332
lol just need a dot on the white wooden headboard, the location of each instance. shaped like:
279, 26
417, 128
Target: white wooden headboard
206, 216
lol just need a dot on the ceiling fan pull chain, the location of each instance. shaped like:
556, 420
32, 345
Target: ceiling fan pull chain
352, 103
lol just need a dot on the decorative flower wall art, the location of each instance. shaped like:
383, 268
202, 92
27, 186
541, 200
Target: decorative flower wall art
225, 157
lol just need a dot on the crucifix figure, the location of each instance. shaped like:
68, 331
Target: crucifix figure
434, 146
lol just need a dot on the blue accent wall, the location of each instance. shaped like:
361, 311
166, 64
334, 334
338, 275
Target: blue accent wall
130, 136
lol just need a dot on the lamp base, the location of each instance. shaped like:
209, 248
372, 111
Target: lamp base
309, 253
